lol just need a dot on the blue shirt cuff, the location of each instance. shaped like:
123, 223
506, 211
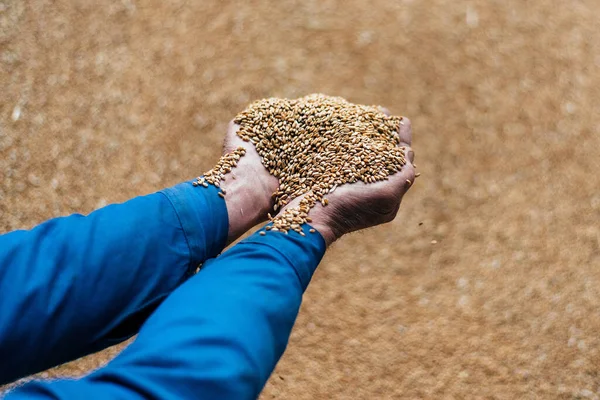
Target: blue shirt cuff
203, 217
303, 252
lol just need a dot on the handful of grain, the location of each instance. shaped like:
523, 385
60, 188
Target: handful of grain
313, 145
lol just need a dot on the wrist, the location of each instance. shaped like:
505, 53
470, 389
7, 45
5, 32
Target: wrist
245, 208
325, 231
320, 219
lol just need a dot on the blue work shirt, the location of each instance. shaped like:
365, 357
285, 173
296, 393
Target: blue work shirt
76, 285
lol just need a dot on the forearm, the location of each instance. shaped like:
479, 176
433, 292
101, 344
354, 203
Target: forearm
74, 285
218, 336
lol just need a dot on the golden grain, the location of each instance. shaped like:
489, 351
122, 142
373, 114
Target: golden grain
313, 145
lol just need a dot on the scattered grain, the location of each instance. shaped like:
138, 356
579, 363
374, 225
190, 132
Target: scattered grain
223, 166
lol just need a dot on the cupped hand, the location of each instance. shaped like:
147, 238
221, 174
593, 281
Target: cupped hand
359, 205
248, 187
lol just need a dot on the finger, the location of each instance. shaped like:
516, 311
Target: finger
405, 137
385, 111
232, 140
405, 132
410, 155
232, 128
405, 178
408, 174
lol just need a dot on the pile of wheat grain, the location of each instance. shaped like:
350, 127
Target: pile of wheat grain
313, 145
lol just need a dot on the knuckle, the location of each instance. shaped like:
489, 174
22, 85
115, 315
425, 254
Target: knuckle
391, 216
389, 203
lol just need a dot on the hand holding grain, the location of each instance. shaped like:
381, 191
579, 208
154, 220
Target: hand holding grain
303, 150
246, 185
359, 205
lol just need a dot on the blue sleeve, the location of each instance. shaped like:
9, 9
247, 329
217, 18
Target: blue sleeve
218, 336
75, 285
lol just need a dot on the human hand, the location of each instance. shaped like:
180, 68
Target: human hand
248, 187
356, 206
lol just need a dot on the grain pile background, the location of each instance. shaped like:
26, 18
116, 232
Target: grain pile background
104, 100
